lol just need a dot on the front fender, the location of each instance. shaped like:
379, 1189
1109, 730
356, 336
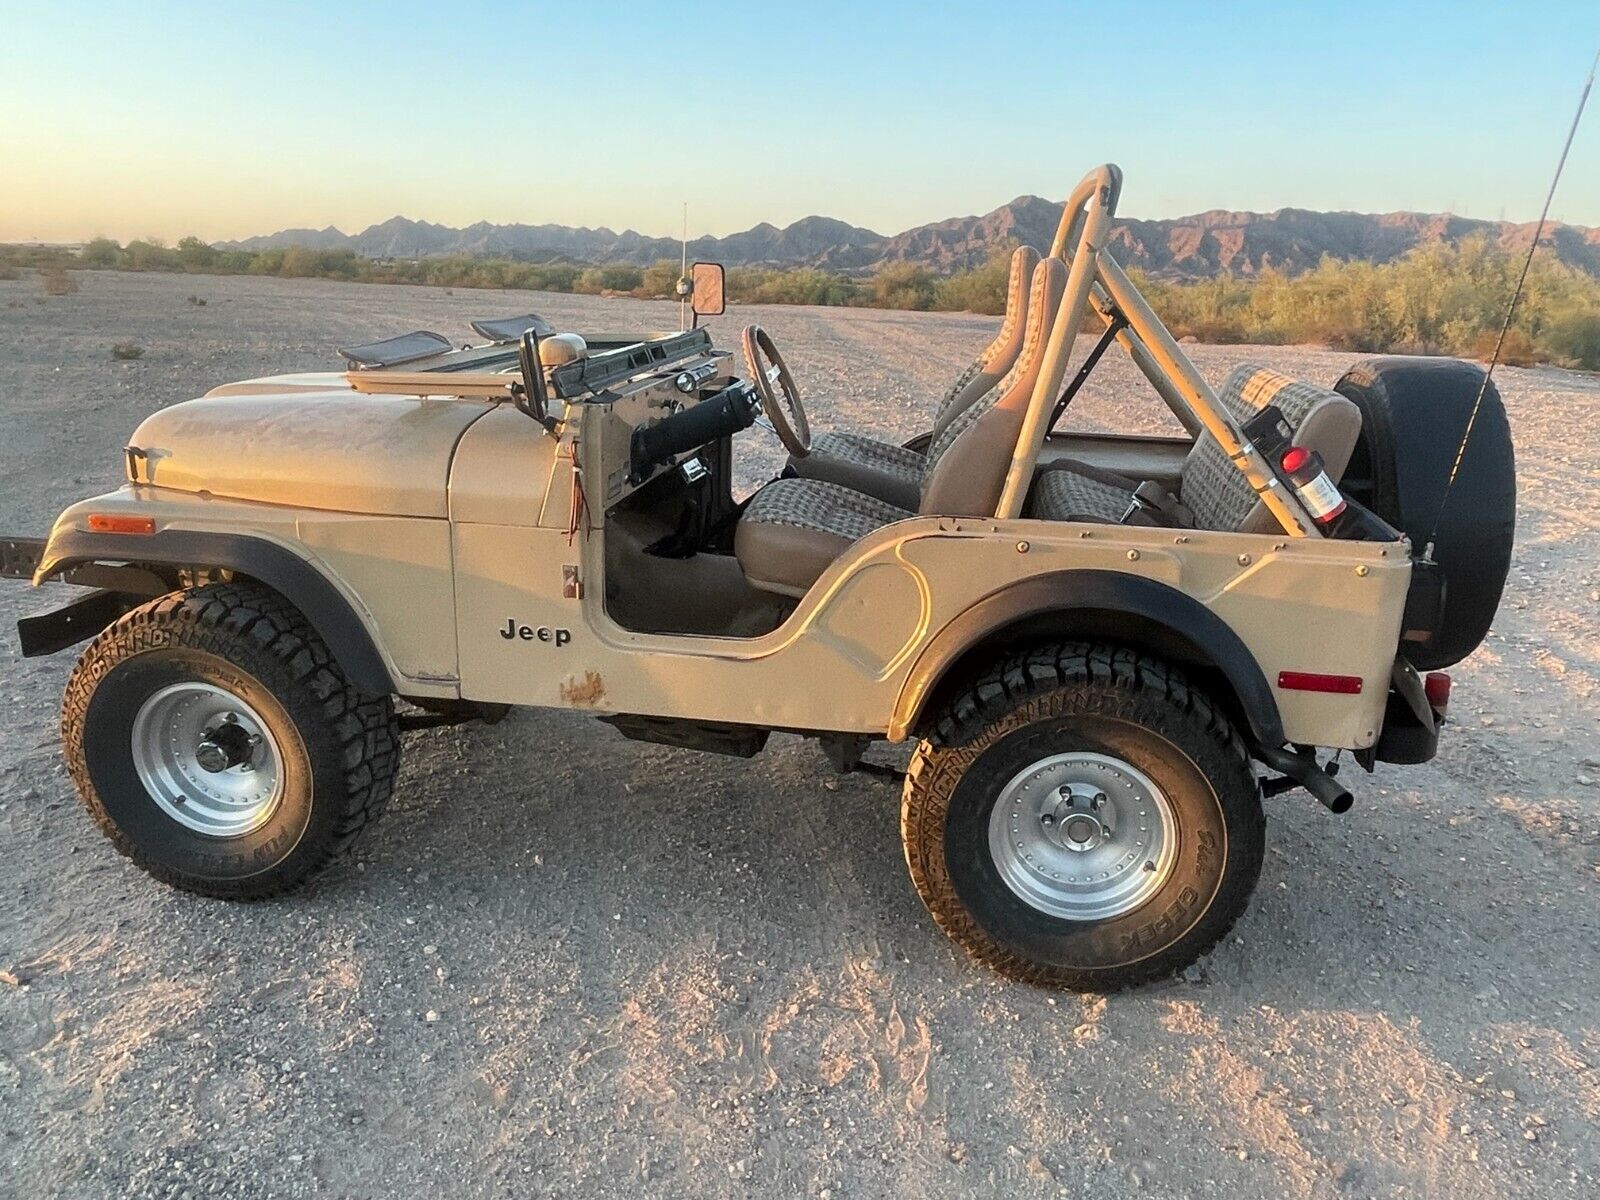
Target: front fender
299, 581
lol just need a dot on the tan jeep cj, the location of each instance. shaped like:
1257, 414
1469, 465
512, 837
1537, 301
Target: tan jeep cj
1106, 648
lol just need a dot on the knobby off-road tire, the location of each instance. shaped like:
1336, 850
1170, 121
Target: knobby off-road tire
1105, 723
234, 666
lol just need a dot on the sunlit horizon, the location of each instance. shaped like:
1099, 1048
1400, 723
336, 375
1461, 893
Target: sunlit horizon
228, 124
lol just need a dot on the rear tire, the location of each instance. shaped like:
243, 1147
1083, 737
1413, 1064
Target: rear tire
1127, 794
216, 742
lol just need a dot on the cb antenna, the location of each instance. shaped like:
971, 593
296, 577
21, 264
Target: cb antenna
684, 287
1511, 309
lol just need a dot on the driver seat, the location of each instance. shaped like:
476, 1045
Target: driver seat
793, 528
892, 472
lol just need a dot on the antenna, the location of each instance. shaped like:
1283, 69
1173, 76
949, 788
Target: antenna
1511, 309
683, 270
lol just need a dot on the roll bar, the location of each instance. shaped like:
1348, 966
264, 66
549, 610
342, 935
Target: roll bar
1096, 283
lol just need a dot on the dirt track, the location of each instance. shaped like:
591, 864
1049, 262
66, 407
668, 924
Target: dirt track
568, 964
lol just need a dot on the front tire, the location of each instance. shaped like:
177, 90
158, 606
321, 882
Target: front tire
1082, 816
216, 742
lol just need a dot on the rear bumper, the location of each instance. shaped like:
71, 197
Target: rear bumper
1411, 722
1405, 738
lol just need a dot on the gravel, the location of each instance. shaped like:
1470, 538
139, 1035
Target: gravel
569, 964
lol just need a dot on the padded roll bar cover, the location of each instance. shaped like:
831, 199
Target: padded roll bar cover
1150, 603
318, 600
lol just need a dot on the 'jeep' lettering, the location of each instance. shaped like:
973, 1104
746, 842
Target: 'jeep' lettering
530, 633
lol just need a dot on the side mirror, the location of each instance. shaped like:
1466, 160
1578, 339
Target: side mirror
709, 291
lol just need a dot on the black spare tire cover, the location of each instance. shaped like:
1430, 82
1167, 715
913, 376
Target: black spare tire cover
1413, 413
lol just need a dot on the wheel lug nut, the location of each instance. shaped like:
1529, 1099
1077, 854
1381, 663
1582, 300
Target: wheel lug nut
1048, 819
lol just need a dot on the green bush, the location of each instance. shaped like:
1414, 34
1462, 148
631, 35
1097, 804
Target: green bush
1437, 299
905, 285
1575, 337
659, 280
619, 277
981, 290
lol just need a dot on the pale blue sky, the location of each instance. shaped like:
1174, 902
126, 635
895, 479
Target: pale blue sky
227, 119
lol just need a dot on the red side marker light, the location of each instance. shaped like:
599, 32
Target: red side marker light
1310, 681
111, 523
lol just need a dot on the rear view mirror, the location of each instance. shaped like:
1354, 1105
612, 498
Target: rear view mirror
709, 293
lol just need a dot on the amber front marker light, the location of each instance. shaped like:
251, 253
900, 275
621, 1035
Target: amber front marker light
1310, 681
107, 523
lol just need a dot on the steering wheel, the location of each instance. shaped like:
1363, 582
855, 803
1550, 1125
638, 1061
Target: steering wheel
782, 406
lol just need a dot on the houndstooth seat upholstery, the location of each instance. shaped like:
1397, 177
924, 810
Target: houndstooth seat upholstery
892, 472
793, 528
1210, 486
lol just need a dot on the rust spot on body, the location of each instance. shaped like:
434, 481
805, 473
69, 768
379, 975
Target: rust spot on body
587, 692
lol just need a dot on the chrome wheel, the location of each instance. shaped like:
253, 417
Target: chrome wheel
1083, 836
207, 759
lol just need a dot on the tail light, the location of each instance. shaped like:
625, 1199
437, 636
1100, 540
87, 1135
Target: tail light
1436, 686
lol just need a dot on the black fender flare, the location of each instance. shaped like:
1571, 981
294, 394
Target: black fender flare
1063, 593
321, 603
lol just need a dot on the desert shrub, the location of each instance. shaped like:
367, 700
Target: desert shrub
58, 283
904, 285
197, 302
659, 279
980, 290
803, 285
196, 255
619, 277
150, 255
127, 351
1574, 337
1517, 351
7, 271
101, 252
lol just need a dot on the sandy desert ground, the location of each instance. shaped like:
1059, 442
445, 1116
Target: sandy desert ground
568, 964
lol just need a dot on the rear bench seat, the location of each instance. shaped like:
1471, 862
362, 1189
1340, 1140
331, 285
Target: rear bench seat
1212, 493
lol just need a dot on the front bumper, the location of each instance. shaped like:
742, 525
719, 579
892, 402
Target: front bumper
19, 557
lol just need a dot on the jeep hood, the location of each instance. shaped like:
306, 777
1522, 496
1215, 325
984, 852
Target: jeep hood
335, 450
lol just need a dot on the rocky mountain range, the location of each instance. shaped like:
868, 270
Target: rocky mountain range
1194, 247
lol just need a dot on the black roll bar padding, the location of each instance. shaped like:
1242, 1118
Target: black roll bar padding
720, 416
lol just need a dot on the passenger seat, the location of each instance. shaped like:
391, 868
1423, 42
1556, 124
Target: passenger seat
1213, 490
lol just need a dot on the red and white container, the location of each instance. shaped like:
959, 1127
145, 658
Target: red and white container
1319, 494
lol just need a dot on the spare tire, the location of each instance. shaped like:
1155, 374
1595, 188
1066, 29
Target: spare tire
1413, 414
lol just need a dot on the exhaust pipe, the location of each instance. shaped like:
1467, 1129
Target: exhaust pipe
1301, 767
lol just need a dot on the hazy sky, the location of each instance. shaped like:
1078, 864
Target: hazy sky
228, 119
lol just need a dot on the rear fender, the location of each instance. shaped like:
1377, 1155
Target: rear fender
1093, 604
